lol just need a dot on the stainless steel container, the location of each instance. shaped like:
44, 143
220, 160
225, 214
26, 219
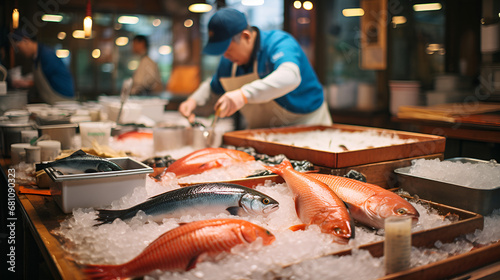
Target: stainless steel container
10, 133
63, 133
13, 100
97, 189
481, 201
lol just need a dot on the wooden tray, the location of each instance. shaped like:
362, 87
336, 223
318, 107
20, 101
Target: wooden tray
426, 145
467, 222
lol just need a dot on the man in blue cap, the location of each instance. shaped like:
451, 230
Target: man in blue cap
51, 77
263, 74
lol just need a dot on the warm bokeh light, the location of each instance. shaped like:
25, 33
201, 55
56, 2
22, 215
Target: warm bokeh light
121, 41
128, 20
354, 12
303, 20
15, 19
427, 7
398, 20
87, 26
164, 50
132, 65
308, 5
188, 23
61, 35
156, 22
200, 8
96, 53
62, 53
297, 5
78, 34
52, 18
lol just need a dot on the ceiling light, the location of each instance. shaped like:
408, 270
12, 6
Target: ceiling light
87, 21
156, 22
188, 23
427, 7
164, 50
78, 34
128, 20
96, 53
200, 8
61, 35
62, 53
15, 17
308, 5
354, 12
121, 41
398, 20
297, 5
52, 18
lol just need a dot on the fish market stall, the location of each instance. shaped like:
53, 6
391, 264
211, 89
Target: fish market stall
447, 241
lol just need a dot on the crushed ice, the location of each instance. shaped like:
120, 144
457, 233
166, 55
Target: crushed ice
335, 140
294, 255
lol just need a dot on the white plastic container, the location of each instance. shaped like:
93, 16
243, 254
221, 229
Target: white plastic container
98, 131
97, 189
50, 149
404, 93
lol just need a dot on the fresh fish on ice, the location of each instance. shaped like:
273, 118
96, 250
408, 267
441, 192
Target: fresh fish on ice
80, 162
316, 203
181, 248
369, 204
205, 159
202, 198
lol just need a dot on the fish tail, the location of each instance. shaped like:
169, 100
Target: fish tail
278, 169
41, 166
108, 216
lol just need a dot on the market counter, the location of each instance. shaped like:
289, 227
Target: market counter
41, 215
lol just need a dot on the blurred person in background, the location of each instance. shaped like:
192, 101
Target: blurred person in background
51, 78
146, 79
263, 74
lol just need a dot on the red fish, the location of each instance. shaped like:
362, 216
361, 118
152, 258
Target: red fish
316, 203
135, 135
180, 248
369, 204
205, 159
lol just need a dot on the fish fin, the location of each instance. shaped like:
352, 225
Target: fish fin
298, 227
79, 153
192, 263
233, 210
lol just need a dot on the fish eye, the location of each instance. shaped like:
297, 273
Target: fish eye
268, 232
401, 211
265, 201
337, 230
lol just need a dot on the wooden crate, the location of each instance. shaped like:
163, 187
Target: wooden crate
425, 145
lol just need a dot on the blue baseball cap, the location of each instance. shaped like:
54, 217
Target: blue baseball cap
223, 25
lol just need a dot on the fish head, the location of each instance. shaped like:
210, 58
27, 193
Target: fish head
395, 206
338, 225
251, 232
258, 203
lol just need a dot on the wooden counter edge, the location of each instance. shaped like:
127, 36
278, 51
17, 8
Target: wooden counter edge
49, 246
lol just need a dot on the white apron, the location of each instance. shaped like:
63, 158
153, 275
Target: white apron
46, 92
271, 114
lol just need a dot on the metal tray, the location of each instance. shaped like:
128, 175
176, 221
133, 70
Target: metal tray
97, 189
476, 200
425, 145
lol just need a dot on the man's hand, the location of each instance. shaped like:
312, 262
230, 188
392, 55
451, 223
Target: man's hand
186, 109
230, 102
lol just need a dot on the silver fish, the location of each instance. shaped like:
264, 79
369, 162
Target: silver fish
80, 162
201, 198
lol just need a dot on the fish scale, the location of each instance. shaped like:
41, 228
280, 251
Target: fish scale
180, 248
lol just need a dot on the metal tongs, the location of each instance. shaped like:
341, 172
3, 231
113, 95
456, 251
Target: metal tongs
124, 94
